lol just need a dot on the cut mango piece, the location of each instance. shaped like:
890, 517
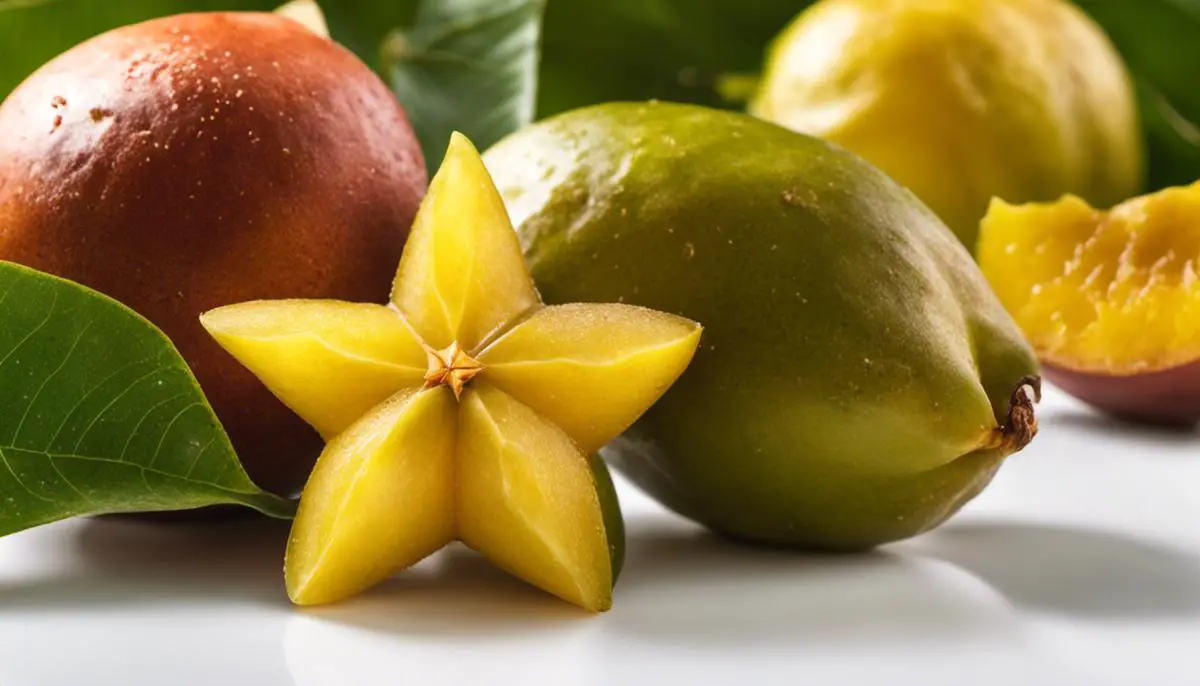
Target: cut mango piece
462, 275
592, 369
329, 361
381, 498
528, 501
1112, 292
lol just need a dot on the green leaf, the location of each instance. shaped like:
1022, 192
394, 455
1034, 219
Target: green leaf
362, 25
680, 50
99, 414
1172, 138
467, 66
32, 32
1157, 38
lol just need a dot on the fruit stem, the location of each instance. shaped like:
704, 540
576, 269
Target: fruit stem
1021, 425
450, 367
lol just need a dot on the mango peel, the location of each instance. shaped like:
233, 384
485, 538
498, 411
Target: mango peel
463, 410
858, 381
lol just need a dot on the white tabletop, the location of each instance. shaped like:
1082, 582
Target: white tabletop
1079, 565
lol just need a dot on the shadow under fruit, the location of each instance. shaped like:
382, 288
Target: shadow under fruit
195, 161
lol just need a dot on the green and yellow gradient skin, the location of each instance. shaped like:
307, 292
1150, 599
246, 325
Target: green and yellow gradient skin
858, 381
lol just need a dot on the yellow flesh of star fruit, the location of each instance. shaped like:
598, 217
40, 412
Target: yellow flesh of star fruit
465, 410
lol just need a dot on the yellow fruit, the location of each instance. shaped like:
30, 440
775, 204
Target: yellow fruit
382, 499
1110, 300
528, 502
343, 360
553, 357
464, 410
963, 100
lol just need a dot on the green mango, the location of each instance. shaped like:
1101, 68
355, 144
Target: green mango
857, 382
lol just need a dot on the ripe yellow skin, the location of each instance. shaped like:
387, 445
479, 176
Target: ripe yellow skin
464, 410
963, 100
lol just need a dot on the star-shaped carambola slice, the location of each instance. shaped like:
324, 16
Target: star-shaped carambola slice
463, 410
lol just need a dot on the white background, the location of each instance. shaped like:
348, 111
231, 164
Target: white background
1079, 565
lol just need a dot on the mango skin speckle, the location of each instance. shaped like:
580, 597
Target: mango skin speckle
856, 368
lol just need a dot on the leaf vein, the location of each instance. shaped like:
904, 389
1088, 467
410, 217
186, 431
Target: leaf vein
33, 332
8, 466
50, 377
150, 411
99, 385
111, 403
167, 430
67, 481
134, 465
196, 462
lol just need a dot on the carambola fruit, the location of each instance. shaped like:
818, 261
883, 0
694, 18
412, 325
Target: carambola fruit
465, 409
858, 381
1109, 298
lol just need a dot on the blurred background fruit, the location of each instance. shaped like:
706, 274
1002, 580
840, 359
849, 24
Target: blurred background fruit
206, 159
962, 100
700, 51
